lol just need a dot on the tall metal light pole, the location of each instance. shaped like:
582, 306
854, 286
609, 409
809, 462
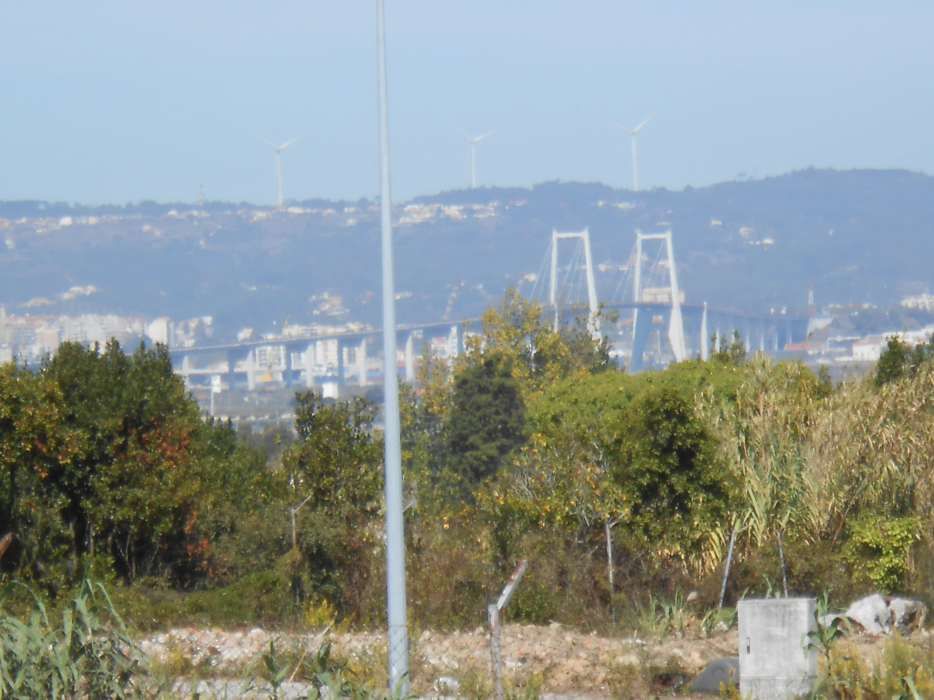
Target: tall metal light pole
398, 639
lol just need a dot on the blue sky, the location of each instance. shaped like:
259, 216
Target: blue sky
112, 101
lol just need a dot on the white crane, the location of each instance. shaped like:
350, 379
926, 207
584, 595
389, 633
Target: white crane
474, 142
634, 133
278, 150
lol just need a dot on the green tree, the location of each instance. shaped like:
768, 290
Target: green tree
149, 483
336, 460
673, 486
734, 353
228, 532
333, 475
147, 495
899, 359
34, 448
425, 409
612, 450
91, 387
894, 362
536, 354
487, 419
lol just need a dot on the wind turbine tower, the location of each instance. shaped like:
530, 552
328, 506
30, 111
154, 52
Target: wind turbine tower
278, 150
474, 142
634, 133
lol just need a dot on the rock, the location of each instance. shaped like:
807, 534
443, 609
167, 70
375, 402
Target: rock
872, 614
446, 685
878, 615
718, 672
907, 615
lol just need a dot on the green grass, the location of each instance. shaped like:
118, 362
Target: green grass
262, 599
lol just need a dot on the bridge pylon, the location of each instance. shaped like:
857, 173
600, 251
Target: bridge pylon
642, 295
593, 324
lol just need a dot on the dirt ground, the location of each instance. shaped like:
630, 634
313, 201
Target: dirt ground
539, 660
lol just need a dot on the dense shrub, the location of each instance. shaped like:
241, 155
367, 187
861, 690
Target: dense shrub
879, 550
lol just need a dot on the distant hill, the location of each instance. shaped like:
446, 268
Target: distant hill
851, 236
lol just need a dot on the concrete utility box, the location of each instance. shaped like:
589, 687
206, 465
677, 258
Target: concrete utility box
774, 661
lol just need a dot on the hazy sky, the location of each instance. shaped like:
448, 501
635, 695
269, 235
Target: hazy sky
110, 101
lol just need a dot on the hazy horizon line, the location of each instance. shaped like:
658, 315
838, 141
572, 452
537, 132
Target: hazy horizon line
740, 178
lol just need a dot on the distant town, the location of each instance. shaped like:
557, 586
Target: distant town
256, 301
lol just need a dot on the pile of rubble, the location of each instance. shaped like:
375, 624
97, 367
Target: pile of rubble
566, 661
877, 614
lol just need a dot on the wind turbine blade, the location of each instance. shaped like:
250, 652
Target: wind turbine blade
644, 122
288, 143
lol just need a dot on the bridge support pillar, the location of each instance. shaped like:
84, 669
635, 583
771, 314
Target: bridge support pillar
783, 334
308, 364
341, 379
231, 368
410, 358
361, 362
216, 387
322, 348
186, 370
251, 370
640, 333
456, 341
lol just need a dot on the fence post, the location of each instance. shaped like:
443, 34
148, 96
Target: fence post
496, 642
726, 569
781, 559
496, 652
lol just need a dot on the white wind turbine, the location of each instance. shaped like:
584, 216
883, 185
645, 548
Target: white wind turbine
634, 133
474, 142
278, 150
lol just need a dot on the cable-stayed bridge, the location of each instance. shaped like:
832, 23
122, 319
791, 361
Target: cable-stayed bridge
645, 315
645, 318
